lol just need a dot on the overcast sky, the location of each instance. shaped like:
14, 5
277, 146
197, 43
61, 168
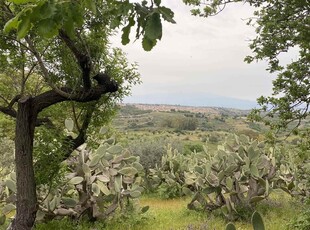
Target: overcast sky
199, 61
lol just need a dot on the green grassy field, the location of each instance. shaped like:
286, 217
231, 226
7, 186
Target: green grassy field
173, 214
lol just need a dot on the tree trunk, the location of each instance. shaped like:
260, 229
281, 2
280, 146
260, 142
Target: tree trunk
26, 205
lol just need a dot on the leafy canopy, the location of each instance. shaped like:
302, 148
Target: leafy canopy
54, 45
47, 17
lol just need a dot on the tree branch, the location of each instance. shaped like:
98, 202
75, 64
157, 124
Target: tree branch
44, 70
4, 99
45, 121
83, 59
8, 111
52, 97
14, 100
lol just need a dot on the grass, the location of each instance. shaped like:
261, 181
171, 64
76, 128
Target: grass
173, 215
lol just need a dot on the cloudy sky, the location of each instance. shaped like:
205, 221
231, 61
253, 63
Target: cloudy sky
199, 61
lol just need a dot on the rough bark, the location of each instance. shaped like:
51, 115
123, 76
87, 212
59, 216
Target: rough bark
26, 188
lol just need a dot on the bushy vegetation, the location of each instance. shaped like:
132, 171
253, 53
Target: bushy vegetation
237, 176
180, 122
94, 184
213, 172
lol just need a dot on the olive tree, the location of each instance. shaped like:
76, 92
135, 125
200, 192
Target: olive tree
56, 53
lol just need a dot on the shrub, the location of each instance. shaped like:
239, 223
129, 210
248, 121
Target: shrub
180, 122
237, 176
96, 184
192, 147
151, 150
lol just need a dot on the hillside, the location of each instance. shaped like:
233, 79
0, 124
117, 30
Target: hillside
156, 117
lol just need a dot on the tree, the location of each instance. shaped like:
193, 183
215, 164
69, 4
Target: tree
50, 52
281, 26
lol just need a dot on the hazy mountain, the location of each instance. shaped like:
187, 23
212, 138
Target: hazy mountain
192, 100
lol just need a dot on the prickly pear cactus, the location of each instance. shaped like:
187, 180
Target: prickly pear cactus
257, 223
97, 183
105, 176
240, 173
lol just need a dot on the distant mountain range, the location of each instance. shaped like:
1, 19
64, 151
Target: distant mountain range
192, 100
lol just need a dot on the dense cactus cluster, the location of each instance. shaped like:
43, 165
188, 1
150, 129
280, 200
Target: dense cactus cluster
96, 184
240, 173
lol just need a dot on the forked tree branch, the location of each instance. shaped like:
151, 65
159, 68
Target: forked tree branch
82, 58
52, 97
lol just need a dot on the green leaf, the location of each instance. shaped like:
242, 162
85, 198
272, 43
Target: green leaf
252, 154
291, 185
94, 161
145, 209
210, 190
115, 149
135, 194
40, 215
189, 181
48, 28
101, 150
69, 202
153, 28
118, 183
103, 178
187, 191
229, 183
95, 189
13, 176
157, 2
126, 31
115, 23
113, 172
8, 208
69, 124
256, 199
104, 162
138, 166
23, 28
91, 5
103, 188
11, 24
69, 27
128, 180
52, 204
267, 188
86, 169
110, 141
254, 171
103, 130
3, 218
130, 159
46, 11
76, 180
230, 226
257, 221
167, 14
11, 185
148, 44
128, 171
117, 159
